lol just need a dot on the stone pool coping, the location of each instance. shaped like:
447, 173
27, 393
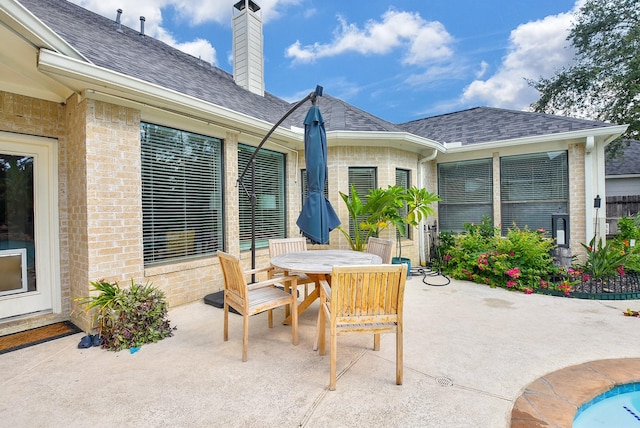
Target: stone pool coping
554, 399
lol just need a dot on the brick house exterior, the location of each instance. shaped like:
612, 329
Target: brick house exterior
74, 98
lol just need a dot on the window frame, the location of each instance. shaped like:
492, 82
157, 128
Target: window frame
403, 179
533, 190
465, 197
360, 188
175, 231
272, 228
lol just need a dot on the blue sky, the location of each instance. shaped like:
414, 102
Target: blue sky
398, 59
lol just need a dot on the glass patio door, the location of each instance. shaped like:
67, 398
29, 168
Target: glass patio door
26, 285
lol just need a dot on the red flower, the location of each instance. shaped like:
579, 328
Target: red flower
513, 273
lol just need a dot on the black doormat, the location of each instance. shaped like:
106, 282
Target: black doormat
217, 301
24, 339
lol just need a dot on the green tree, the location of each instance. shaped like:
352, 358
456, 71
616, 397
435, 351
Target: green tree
604, 82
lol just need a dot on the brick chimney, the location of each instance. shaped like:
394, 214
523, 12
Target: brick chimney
248, 62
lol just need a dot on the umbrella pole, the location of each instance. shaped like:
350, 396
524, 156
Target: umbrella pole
252, 162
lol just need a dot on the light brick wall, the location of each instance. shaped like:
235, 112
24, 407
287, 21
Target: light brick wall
100, 198
577, 202
386, 160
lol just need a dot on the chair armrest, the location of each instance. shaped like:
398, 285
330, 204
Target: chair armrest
258, 270
273, 281
325, 288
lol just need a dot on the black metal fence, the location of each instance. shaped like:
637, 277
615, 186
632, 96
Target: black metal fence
619, 287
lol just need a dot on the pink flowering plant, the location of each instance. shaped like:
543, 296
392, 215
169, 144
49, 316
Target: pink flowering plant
520, 261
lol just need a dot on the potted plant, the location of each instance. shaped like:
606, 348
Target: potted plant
413, 205
394, 206
370, 217
128, 317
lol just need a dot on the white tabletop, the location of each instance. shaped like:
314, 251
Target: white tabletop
323, 261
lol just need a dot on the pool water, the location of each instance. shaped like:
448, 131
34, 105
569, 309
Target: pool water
618, 407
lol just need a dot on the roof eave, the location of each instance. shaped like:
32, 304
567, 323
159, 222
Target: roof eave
607, 134
399, 140
29, 27
81, 77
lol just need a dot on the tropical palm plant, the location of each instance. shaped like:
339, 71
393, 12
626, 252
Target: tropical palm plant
394, 206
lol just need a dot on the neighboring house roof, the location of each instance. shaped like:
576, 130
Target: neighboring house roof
629, 163
148, 59
488, 124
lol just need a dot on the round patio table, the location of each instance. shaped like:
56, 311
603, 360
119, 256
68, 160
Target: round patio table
318, 264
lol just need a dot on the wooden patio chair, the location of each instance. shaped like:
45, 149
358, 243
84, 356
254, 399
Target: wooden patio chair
290, 245
362, 299
380, 247
250, 299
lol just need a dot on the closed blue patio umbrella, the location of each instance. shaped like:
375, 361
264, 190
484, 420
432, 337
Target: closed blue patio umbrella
317, 217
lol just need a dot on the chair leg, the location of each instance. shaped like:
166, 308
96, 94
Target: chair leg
287, 288
399, 355
245, 336
332, 364
226, 322
270, 318
320, 333
376, 341
294, 318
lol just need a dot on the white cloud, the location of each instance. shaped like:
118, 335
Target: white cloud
537, 49
200, 11
436, 74
423, 40
190, 11
484, 66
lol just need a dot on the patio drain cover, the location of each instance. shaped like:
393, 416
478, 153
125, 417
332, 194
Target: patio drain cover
444, 381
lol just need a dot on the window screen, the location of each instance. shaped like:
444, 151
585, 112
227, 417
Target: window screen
363, 179
182, 194
466, 192
532, 188
270, 206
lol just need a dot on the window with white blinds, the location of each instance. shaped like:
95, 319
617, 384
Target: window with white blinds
466, 192
182, 194
270, 192
403, 179
363, 179
533, 187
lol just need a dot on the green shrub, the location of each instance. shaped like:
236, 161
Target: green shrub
628, 240
520, 261
603, 260
128, 317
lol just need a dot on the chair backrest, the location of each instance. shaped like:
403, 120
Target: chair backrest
380, 247
234, 278
367, 294
286, 245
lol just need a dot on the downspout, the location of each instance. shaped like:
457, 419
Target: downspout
421, 243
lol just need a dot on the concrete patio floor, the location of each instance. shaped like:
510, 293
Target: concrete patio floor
470, 351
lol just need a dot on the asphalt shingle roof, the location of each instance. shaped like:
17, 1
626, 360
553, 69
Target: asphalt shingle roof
485, 124
629, 164
151, 60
